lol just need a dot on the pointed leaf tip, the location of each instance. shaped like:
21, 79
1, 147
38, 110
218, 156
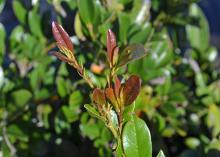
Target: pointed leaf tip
111, 44
61, 36
131, 89
60, 56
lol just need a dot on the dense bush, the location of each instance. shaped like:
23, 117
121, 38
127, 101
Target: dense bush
42, 99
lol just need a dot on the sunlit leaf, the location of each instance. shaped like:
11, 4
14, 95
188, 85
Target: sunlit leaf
136, 139
61, 36
111, 44
198, 35
19, 11
86, 11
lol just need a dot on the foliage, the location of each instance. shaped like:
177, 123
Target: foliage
42, 99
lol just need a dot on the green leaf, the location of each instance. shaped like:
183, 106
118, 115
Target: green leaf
198, 35
136, 139
75, 99
213, 119
131, 53
16, 36
2, 4
119, 149
2, 42
93, 112
78, 27
86, 11
161, 154
34, 22
92, 130
21, 97
62, 87
124, 23
139, 34
71, 113
192, 142
19, 11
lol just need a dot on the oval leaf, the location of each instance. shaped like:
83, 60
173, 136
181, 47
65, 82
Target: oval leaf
61, 36
131, 53
86, 11
136, 139
99, 96
198, 36
131, 89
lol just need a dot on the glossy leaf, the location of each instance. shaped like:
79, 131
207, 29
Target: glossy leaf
111, 44
99, 96
86, 11
131, 53
61, 36
198, 35
136, 139
131, 89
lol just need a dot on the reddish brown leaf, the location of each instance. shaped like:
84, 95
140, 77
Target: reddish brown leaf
61, 36
131, 89
111, 96
117, 86
99, 96
60, 56
111, 44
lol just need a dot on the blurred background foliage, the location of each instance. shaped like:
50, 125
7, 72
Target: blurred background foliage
41, 99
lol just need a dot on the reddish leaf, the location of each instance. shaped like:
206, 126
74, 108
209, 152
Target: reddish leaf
61, 36
131, 89
60, 56
111, 44
117, 86
111, 96
99, 96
